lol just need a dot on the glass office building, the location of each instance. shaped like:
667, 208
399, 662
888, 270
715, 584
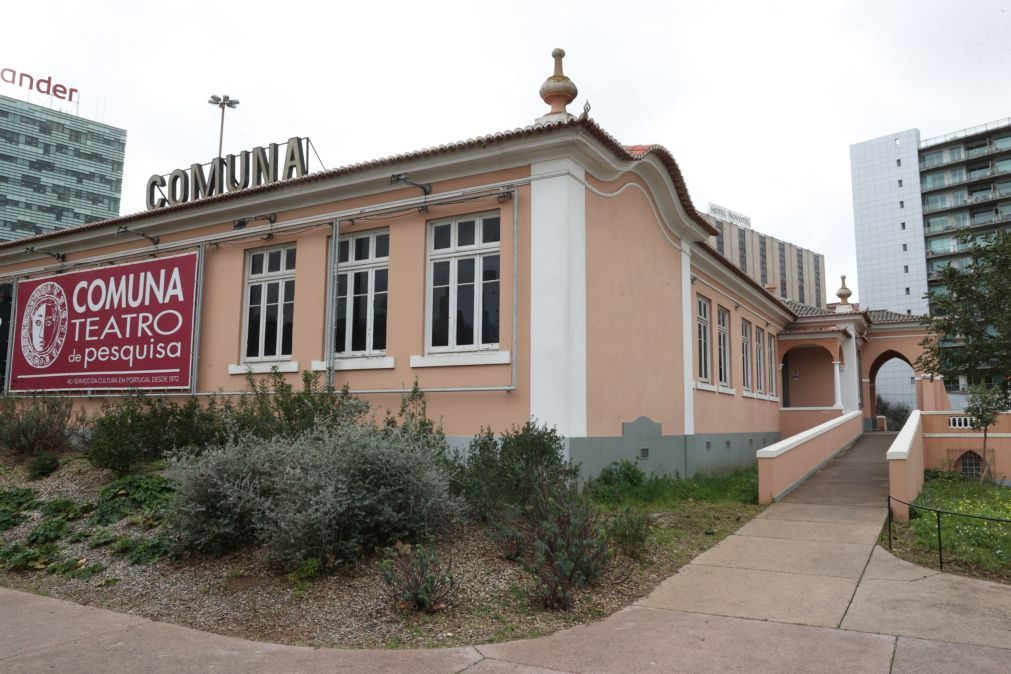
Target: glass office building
56, 169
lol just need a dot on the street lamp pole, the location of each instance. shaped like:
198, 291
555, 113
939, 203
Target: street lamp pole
222, 102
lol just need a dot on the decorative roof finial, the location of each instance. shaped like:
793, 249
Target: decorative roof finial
557, 91
844, 293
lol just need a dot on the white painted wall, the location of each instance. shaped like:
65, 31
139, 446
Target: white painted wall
850, 377
558, 297
688, 337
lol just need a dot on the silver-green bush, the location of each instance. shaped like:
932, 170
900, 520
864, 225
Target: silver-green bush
331, 494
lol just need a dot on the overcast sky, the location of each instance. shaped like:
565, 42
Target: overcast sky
758, 101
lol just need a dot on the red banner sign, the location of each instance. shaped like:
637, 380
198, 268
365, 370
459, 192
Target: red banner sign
111, 328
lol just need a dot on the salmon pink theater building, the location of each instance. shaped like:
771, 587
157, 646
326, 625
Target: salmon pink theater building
544, 272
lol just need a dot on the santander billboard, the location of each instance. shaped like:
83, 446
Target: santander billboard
111, 328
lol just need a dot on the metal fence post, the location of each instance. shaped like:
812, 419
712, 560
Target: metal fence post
940, 552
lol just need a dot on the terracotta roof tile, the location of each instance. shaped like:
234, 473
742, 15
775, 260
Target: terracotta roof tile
806, 310
884, 316
631, 153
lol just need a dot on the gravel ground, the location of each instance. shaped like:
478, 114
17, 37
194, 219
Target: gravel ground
239, 595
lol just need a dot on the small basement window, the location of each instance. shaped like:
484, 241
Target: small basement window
970, 464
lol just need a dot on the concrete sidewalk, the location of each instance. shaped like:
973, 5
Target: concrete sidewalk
802, 588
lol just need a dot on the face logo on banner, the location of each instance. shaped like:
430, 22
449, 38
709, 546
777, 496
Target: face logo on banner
44, 327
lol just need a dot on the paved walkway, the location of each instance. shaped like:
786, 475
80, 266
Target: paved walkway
801, 588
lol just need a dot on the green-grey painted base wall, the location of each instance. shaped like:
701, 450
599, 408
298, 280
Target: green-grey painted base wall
643, 441
682, 456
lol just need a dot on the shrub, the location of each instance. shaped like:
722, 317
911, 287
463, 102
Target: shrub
896, 413
570, 547
616, 481
17, 499
506, 471
628, 532
65, 508
75, 568
148, 495
138, 428
17, 557
412, 422
10, 519
511, 531
274, 407
12, 503
43, 465
36, 425
48, 531
303, 575
329, 494
418, 578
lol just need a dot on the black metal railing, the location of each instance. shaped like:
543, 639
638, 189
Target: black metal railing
938, 513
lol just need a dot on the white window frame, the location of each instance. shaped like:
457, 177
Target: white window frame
759, 360
478, 251
745, 354
770, 343
350, 267
703, 338
284, 276
723, 345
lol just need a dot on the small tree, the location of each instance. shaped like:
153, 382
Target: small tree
970, 328
985, 405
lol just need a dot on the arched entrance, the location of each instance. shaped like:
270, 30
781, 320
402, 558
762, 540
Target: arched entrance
893, 380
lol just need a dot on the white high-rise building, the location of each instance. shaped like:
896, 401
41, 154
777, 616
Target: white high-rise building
911, 200
888, 223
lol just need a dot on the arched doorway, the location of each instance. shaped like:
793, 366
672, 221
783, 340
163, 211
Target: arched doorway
893, 381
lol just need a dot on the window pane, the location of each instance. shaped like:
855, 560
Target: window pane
253, 322
342, 251
442, 236
288, 315
272, 292
379, 319
289, 291
440, 316
465, 271
440, 274
489, 268
256, 264
362, 248
270, 334
383, 245
273, 261
342, 285
360, 311
340, 330
359, 317
465, 233
381, 280
289, 259
464, 314
490, 227
489, 311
